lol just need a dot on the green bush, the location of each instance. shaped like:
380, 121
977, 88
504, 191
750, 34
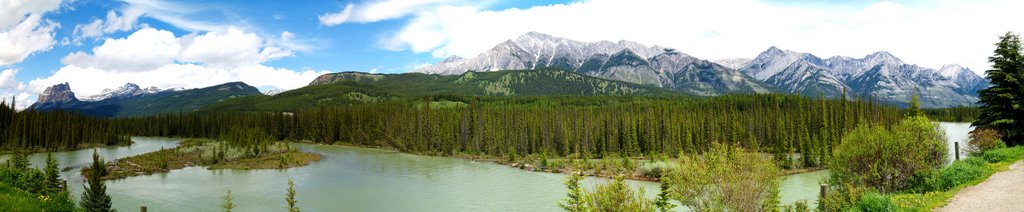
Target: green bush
724, 178
656, 169
873, 201
959, 172
887, 159
843, 197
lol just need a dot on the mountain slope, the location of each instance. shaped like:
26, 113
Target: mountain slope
879, 75
624, 61
150, 103
348, 88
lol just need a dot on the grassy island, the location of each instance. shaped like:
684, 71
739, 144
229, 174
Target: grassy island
215, 154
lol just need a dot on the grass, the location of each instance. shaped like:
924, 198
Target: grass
212, 153
274, 161
13, 199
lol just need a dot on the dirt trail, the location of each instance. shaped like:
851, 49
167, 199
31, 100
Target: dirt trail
1003, 191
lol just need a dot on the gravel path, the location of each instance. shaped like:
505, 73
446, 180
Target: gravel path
1003, 191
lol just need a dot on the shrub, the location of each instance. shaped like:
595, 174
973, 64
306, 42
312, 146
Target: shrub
617, 196
724, 178
888, 159
873, 201
843, 197
655, 169
983, 139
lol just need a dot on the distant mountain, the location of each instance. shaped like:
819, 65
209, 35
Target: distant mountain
879, 75
55, 96
624, 61
130, 101
128, 90
348, 88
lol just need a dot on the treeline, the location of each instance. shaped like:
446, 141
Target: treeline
953, 114
54, 130
590, 126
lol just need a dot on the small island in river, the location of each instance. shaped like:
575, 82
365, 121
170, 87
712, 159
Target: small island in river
214, 154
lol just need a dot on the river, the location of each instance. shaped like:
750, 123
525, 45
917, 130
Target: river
362, 179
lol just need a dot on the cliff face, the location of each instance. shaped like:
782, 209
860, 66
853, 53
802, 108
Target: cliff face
57, 94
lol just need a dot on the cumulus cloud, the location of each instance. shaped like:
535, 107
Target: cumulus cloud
378, 10
32, 34
7, 81
11, 89
928, 33
144, 50
114, 23
153, 57
12, 12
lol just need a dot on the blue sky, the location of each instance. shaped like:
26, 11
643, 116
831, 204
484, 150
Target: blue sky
97, 44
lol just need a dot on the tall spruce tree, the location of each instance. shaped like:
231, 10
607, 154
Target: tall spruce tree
52, 181
95, 198
1002, 104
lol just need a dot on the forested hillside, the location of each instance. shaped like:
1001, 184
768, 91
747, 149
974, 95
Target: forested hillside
54, 130
591, 126
351, 88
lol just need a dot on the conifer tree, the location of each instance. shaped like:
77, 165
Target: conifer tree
95, 198
1002, 104
52, 181
575, 201
290, 197
228, 202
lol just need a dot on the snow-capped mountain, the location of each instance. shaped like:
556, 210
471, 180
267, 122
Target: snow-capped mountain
127, 90
879, 75
734, 63
272, 92
623, 60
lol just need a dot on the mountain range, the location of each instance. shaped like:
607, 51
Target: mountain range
623, 61
129, 100
537, 64
879, 75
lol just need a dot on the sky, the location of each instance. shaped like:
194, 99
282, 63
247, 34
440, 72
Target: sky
281, 45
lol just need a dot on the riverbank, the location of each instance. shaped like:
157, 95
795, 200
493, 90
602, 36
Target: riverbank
635, 168
76, 148
211, 153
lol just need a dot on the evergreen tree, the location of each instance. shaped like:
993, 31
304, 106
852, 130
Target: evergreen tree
915, 106
1002, 104
663, 202
95, 198
575, 201
52, 181
228, 202
290, 197
19, 160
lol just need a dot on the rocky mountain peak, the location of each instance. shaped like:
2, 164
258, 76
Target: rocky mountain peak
57, 94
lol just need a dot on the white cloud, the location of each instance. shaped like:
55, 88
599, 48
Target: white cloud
153, 57
331, 19
378, 10
12, 12
31, 35
232, 47
143, 50
927, 33
8, 82
10, 87
114, 23
173, 13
